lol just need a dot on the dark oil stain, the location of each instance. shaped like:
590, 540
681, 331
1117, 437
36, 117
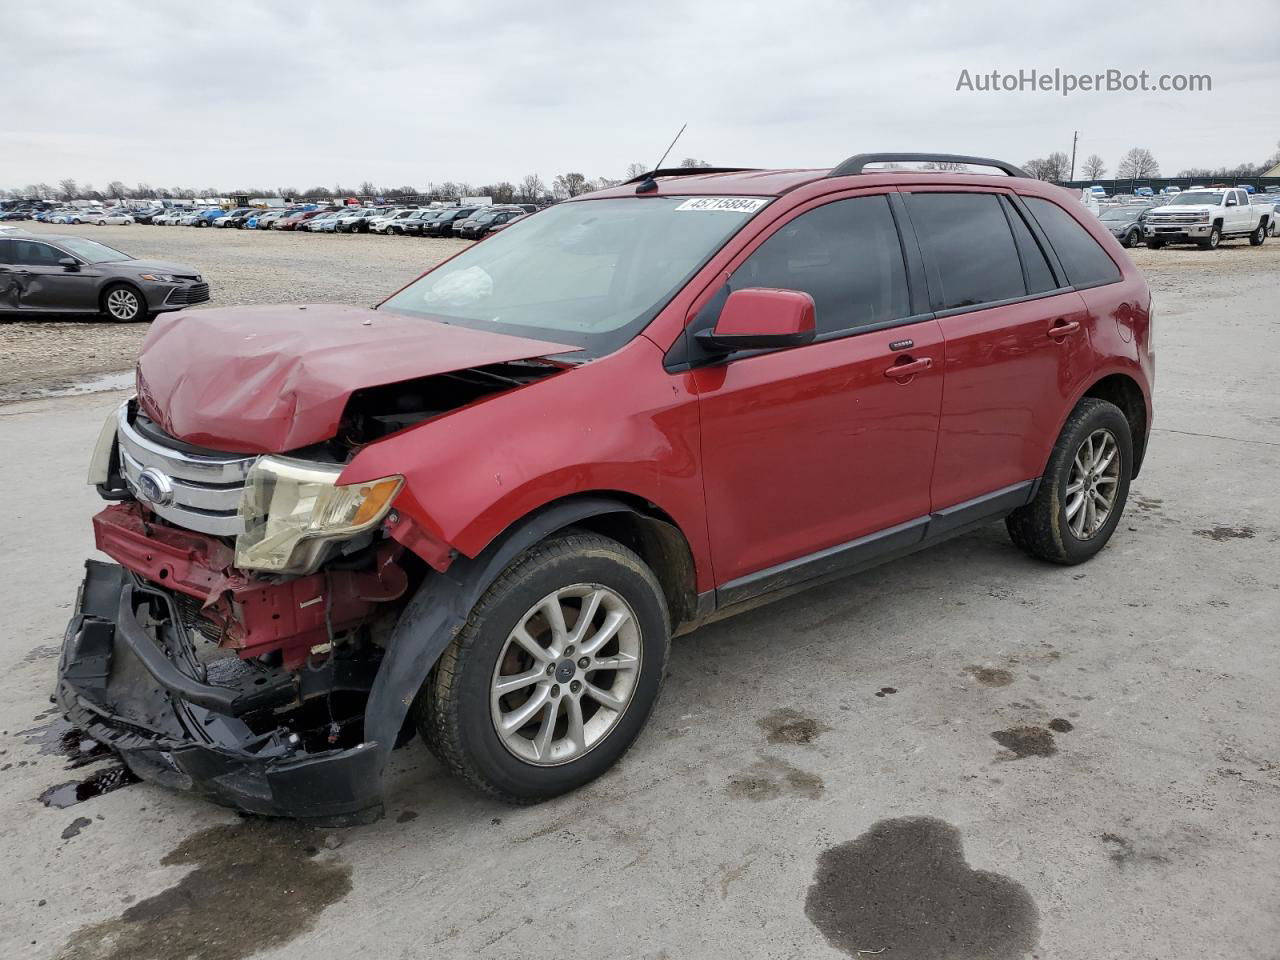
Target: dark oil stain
903, 888
769, 779
1026, 741
1059, 725
886, 691
95, 785
41, 653
1123, 853
253, 888
1227, 533
990, 676
407, 816
73, 829
790, 726
59, 739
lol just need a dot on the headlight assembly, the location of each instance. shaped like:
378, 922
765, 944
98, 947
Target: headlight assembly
292, 508
160, 277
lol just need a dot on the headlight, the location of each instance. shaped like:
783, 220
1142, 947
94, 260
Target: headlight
291, 508
1203, 217
160, 277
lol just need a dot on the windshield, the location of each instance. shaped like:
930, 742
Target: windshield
1120, 213
91, 251
1209, 197
591, 273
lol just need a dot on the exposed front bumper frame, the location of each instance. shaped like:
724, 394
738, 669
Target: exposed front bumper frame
130, 684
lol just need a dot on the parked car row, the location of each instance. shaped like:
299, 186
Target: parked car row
468, 222
1204, 216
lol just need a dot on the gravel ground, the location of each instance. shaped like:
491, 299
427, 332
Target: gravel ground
243, 267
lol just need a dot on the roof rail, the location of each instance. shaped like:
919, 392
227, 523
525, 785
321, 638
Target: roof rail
857, 162
688, 172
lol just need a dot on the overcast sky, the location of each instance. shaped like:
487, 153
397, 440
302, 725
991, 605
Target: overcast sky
232, 93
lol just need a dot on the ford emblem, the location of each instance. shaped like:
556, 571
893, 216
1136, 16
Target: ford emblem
155, 487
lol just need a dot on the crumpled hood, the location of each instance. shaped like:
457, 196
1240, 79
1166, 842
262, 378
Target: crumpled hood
275, 378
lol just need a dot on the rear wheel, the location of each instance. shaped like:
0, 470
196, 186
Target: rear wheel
1258, 236
1084, 488
124, 304
554, 674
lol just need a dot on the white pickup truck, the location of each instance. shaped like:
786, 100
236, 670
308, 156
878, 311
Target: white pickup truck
1207, 216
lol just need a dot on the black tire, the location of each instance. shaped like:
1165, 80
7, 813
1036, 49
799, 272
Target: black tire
1133, 238
1154, 244
1258, 236
124, 289
452, 710
1041, 528
1215, 237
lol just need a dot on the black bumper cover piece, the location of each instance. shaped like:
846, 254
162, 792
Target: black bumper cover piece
133, 683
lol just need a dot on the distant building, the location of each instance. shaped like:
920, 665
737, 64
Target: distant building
1273, 172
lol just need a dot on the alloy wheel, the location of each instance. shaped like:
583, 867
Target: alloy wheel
123, 304
1092, 484
566, 674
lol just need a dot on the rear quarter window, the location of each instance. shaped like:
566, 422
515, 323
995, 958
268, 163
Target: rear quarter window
1082, 257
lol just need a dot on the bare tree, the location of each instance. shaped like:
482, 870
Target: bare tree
1036, 169
68, 188
693, 162
1094, 167
948, 165
570, 185
117, 189
367, 189
44, 191
532, 189
636, 169
1138, 163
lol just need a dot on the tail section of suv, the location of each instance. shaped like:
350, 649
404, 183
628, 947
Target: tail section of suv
444, 515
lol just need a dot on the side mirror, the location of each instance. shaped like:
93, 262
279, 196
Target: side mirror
70, 263
761, 319
1231, 202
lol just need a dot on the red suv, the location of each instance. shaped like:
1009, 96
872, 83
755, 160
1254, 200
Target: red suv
483, 508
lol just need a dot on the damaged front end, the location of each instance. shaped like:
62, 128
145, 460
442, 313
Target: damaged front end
232, 647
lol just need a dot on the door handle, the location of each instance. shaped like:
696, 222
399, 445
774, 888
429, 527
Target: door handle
909, 368
1064, 328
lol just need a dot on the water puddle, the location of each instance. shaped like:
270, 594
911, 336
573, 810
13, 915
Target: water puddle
102, 383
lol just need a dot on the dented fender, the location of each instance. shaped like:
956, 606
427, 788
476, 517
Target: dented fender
440, 609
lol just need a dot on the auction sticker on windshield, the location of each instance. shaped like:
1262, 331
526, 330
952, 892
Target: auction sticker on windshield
730, 204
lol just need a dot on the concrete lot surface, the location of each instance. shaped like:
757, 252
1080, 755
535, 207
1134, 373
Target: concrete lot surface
965, 754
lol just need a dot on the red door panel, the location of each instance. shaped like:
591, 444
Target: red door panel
1008, 379
808, 448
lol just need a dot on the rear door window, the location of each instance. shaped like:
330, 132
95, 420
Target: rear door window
6, 251
1083, 259
968, 249
846, 255
1035, 267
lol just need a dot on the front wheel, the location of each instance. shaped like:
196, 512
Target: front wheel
555, 672
1154, 244
124, 304
1084, 488
1133, 239
1212, 241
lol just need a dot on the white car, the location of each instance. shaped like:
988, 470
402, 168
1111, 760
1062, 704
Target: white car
115, 219
1265, 200
382, 224
170, 218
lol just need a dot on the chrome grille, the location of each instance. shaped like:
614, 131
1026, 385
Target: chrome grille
206, 486
1174, 218
195, 293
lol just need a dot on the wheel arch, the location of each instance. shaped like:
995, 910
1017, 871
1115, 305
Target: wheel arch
443, 601
1123, 391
